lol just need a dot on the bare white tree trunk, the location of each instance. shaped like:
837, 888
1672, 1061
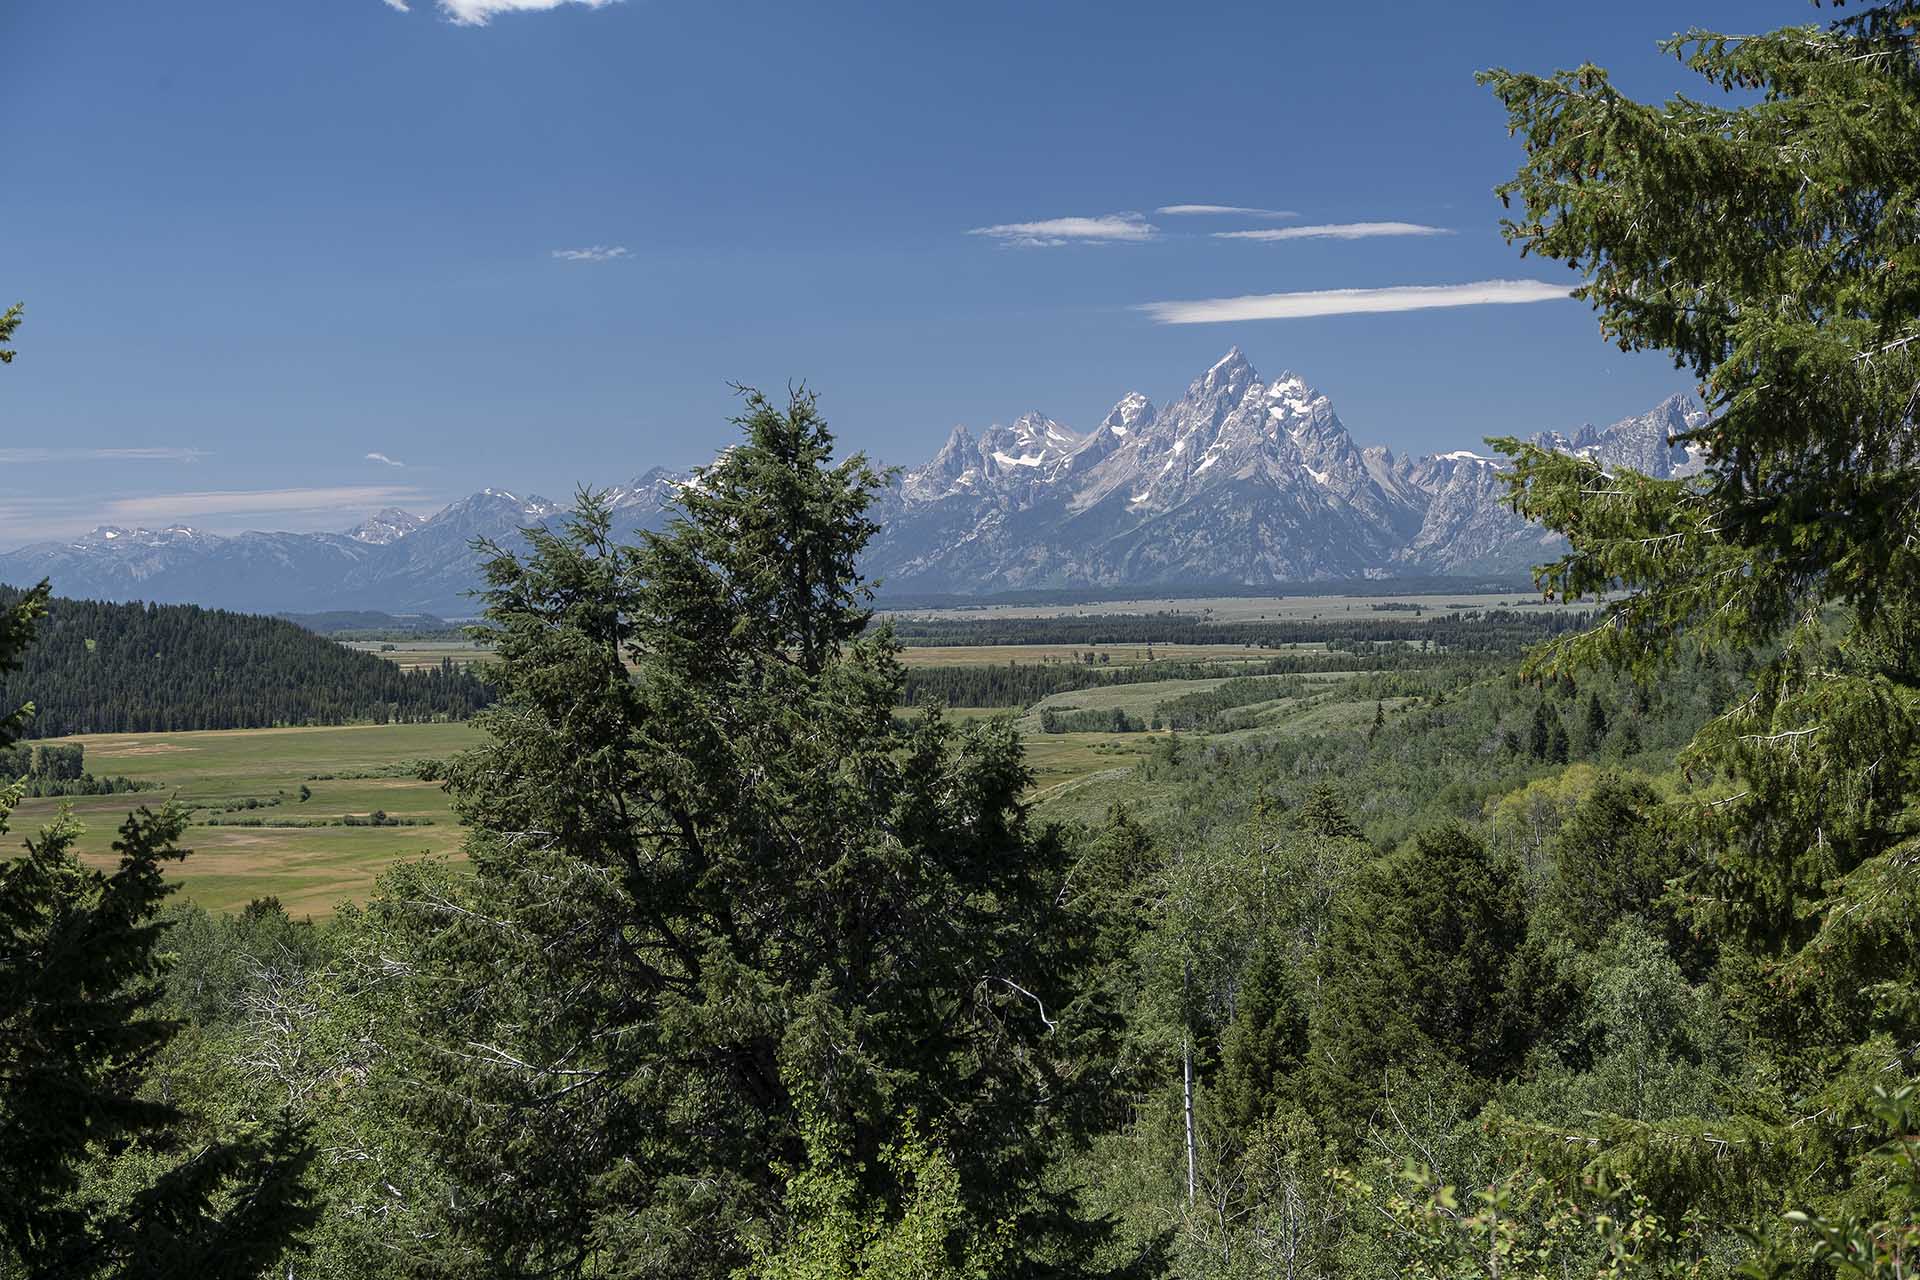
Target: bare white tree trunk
1186, 1072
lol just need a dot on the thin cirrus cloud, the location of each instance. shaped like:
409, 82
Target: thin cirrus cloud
478, 13
23, 457
1107, 228
1208, 210
25, 518
384, 460
1336, 231
594, 253
1342, 302
232, 503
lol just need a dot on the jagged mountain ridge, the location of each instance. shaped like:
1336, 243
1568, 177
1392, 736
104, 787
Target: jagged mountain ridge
1239, 480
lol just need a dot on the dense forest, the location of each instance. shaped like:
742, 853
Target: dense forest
129, 668
1598, 961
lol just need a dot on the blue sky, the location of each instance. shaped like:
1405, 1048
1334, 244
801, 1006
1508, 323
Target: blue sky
260, 242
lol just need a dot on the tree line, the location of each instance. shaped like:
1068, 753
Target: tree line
1020, 684
1504, 631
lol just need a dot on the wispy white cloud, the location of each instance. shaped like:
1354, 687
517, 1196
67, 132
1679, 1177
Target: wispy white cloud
594, 253
238, 503
384, 460
25, 456
1340, 302
28, 518
1336, 231
1180, 210
1107, 228
477, 13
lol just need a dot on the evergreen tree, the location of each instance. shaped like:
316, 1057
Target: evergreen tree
1323, 814
103, 1178
1265, 1044
1412, 976
1611, 862
729, 917
1540, 736
1594, 728
1769, 246
1559, 750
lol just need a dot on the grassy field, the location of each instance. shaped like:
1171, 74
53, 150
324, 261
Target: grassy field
1250, 608
310, 869
302, 853
417, 655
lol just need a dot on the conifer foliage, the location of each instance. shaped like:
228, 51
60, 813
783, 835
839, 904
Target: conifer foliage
141, 668
1773, 249
736, 935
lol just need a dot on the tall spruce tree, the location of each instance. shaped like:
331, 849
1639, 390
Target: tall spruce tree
1772, 247
1412, 978
734, 934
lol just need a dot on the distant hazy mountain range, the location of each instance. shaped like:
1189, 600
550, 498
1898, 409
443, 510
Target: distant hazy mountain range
1239, 481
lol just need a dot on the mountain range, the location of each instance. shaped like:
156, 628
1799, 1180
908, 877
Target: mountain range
1239, 481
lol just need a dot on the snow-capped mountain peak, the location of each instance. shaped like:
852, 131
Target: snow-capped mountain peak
1133, 412
1034, 440
387, 525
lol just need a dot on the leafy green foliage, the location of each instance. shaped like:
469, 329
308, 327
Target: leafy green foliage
832, 1230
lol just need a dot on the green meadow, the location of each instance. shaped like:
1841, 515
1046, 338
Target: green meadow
351, 771
252, 835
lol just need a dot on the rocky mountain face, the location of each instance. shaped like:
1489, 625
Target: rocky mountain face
1238, 481
1645, 443
387, 525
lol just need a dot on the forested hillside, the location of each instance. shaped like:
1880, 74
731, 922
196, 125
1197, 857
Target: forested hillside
113, 668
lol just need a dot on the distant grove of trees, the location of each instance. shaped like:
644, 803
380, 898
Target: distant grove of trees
50, 769
129, 668
54, 763
1016, 684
